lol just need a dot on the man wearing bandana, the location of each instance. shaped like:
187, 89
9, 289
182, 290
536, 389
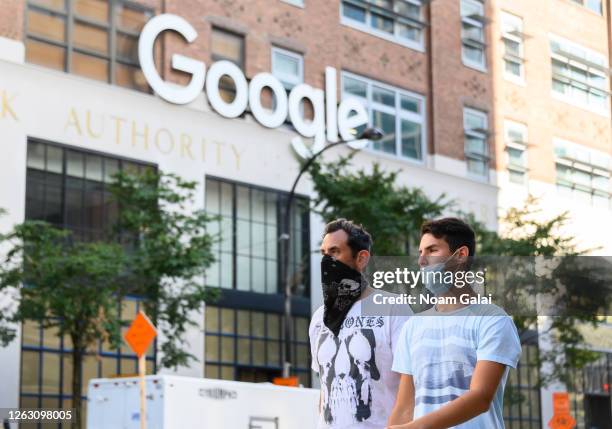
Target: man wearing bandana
351, 352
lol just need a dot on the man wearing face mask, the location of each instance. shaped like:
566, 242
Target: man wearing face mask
453, 358
351, 352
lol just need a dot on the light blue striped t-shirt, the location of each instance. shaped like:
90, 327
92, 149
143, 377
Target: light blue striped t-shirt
440, 351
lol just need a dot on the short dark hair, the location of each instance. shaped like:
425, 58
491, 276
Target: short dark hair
358, 238
454, 231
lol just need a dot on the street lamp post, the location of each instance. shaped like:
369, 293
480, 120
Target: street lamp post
368, 134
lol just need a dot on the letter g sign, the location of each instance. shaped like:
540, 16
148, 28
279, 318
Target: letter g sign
169, 91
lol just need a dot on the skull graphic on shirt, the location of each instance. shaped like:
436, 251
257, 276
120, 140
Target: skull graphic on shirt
347, 367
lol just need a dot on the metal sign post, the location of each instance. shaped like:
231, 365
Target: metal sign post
139, 337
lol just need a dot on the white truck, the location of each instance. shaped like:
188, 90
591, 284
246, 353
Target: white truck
186, 402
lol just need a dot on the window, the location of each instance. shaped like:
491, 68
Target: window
288, 67
69, 188
476, 142
299, 3
246, 345
249, 228
512, 34
97, 39
516, 148
579, 75
583, 174
472, 34
227, 46
46, 363
243, 344
594, 5
522, 395
399, 114
400, 21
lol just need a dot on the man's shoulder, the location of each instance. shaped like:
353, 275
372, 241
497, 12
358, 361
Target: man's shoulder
490, 314
316, 320
318, 313
488, 310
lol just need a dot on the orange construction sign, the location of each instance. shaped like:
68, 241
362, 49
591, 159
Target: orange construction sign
562, 422
562, 419
140, 334
286, 381
561, 403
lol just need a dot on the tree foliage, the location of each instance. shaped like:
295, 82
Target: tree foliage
525, 232
168, 252
579, 286
72, 287
158, 250
393, 215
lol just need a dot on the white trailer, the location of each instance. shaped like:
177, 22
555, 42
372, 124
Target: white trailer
185, 403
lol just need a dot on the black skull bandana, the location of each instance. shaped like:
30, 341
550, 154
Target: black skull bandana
342, 287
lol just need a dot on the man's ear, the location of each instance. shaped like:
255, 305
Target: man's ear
363, 257
462, 255
458, 260
463, 252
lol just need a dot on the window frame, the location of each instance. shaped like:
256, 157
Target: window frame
111, 27
516, 145
472, 43
217, 57
296, 3
484, 135
585, 4
294, 55
226, 85
120, 356
519, 39
586, 166
234, 336
566, 59
65, 176
234, 253
395, 38
419, 118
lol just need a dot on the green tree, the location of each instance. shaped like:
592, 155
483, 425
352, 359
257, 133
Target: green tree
580, 282
526, 233
158, 250
168, 252
393, 215
73, 287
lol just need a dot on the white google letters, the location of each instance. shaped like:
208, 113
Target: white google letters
342, 119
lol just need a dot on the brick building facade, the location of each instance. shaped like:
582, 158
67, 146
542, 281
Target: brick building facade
487, 101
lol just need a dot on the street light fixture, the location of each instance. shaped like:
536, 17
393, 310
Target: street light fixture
372, 134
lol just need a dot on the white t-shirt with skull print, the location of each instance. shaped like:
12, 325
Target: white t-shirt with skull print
358, 388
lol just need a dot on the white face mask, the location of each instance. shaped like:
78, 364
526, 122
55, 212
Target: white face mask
436, 284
